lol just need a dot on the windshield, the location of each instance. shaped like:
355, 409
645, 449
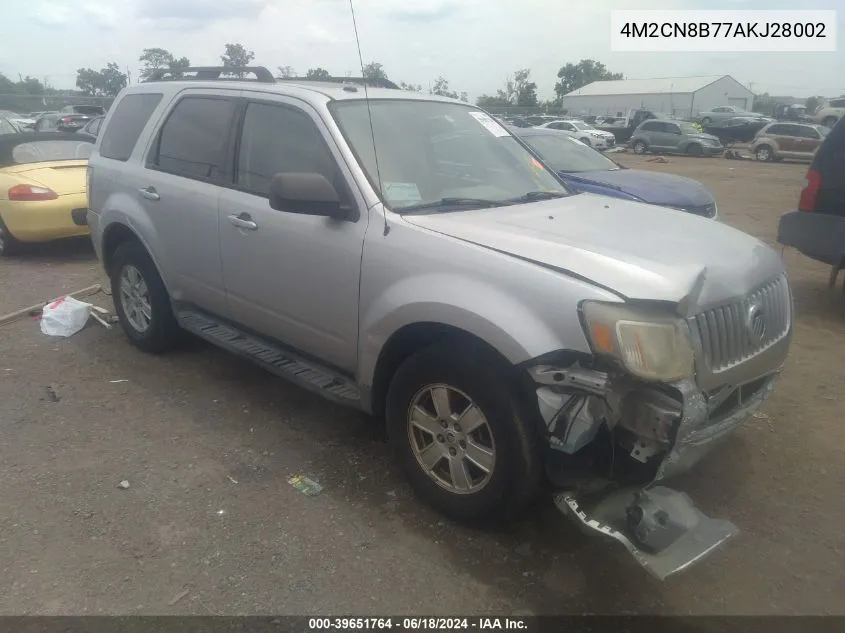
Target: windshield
41, 151
430, 151
563, 153
581, 125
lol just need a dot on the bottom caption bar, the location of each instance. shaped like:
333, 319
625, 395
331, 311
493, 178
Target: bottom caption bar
534, 624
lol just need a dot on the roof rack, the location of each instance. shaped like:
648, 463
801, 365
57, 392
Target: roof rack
360, 81
213, 73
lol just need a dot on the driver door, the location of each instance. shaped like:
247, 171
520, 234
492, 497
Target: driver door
291, 277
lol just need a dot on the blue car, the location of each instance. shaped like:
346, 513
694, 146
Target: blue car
584, 169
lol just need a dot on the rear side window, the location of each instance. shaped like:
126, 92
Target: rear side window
837, 103
651, 126
278, 139
192, 142
126, 125
776, 129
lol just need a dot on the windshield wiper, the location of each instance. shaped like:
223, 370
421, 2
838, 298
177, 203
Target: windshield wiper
478, 203
531, 196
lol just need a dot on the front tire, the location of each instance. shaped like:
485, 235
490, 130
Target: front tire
461, 436
640, 147
695, 150
706, 121
586, 141
141, 300
764, 153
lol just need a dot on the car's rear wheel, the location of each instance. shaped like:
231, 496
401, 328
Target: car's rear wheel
706, 121
640, 147
141, 300
460, 435
8, 244
829, 121
764, 153
695, 150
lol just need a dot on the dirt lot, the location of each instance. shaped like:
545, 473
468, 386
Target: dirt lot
210, 524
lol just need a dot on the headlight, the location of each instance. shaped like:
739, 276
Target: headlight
650, 344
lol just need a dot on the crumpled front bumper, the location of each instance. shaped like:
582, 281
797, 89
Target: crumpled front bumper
661, 527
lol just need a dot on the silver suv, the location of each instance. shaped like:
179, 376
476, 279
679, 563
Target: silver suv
675, 137
406, 255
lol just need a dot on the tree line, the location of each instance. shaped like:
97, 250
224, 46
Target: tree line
518, 89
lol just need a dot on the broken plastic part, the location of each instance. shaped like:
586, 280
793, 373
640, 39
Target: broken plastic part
692, 537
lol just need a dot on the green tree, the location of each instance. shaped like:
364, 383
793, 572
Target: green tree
154, 59
318, 74
410, 87
286, 72
376, 71
441, 88
574, 76
236, 56
89, 81
525, 92
813, 103
493, 101
113, 81
764, 104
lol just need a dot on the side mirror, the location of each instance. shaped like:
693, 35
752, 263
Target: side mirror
307, 194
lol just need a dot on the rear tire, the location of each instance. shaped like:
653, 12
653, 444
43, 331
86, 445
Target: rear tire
479, 424
695, 150
640, 147
141, 300
706, 121
764, 153
8, 244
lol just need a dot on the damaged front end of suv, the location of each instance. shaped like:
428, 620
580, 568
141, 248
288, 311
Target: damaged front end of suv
661, 388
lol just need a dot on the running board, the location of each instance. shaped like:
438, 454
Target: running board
660, 527
273, 358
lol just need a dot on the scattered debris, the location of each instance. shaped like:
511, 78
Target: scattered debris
100, 320
64, 317
50, 394
391, 493
36, 309
220, 513
760, 415
232, 479
306, 486
123, 485
120, 380
657, 159
178, 597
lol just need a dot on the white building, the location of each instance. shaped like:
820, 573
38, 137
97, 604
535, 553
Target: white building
678, 96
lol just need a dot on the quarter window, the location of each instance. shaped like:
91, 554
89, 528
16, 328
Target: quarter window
128, 121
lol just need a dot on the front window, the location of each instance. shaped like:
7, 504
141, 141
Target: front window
581, 126
443, 155
563, 153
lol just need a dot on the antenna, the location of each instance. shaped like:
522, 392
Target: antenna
369, 112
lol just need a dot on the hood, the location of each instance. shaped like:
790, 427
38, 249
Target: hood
637, 250
650, 186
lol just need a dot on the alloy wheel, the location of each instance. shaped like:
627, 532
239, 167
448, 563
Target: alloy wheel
135, 298
451, 439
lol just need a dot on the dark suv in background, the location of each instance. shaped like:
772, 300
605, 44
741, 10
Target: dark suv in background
817, 229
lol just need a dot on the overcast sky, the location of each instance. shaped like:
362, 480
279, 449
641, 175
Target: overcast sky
475, 44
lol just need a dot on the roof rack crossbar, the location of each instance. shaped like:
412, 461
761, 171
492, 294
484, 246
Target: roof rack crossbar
359, 81
213, 73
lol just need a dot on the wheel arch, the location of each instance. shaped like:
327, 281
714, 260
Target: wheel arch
118, 233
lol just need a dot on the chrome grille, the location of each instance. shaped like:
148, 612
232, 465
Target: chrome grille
734, 333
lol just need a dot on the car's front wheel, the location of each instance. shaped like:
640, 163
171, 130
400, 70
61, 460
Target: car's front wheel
764, 153
586, 141
460, 435
640, 147
141, 300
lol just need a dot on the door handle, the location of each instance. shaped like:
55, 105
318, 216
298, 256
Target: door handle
149, 193
243, 221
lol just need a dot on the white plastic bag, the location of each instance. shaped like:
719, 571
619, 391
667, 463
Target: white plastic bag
64, 317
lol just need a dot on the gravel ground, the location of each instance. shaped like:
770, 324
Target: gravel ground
207, 442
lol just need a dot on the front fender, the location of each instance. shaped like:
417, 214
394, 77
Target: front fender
476, 307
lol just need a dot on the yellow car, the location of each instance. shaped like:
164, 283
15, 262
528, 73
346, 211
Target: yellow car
42, 187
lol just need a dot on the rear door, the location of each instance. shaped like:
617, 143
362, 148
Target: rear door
674, 138
809, 141
180, 189
783, 135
